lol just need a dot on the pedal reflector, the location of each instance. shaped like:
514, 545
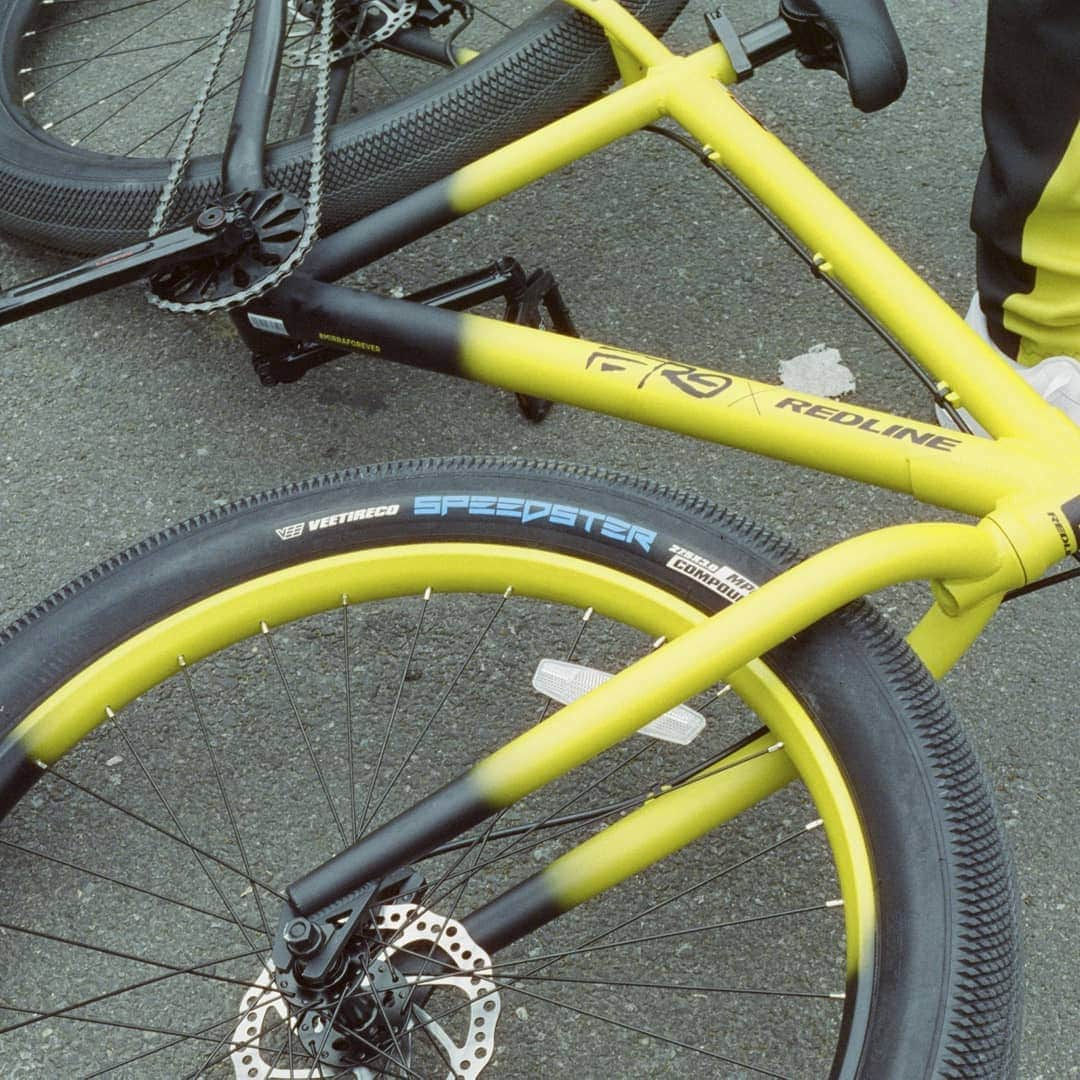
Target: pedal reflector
565, 682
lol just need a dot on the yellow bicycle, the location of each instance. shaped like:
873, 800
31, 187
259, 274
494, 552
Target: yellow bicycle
560, 767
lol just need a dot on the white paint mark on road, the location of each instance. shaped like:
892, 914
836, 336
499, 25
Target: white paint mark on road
818, 371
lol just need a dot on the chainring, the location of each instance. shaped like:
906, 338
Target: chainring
277, 221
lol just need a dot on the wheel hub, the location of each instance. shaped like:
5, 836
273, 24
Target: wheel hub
369, 1018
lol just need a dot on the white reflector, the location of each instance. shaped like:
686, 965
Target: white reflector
565, 682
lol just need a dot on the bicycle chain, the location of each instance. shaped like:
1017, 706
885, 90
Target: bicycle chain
319, 138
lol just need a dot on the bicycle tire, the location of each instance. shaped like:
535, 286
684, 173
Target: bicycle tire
76, 200
941, 996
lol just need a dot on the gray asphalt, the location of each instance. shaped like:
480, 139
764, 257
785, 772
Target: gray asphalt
116, 420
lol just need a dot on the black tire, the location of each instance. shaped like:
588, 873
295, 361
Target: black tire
942, 999
73, 199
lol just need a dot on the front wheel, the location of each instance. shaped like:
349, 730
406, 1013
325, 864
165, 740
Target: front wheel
225, 706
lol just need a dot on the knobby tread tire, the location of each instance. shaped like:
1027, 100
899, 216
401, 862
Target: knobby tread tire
850, 670
78, 201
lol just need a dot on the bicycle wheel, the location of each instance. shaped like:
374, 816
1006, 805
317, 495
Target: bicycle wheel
352, 643
92, 99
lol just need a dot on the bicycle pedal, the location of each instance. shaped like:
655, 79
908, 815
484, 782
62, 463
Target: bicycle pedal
538, 295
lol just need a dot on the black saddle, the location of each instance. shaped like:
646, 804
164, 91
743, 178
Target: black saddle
855, 38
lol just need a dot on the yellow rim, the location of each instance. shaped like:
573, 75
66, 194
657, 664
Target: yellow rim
153, 655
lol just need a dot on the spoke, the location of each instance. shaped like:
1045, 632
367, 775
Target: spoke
364, 819
443, 700
183, 1036
377, 998
121, 52
666, 935
309, 41
696, 887
590, 945
216, 915
303, 732
430, 1020
224, 794
689, 987
53, 771
120, 41
176, 1042
586, 616
387, 1023
172, 972
178, 119
210, 1062
714, 704
381, 74
349, 718
477, 851
577, 1011
38, 31
156, 76
514, 847
699, 885
180, 829
152, 76
693, 775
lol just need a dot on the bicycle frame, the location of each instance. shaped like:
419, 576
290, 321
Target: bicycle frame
1022, 488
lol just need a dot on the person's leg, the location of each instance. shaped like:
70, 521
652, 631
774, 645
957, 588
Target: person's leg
1026, 210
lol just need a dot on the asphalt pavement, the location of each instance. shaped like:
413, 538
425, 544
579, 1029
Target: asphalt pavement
117, 420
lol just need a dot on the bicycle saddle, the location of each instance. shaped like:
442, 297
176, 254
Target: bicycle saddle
854, 38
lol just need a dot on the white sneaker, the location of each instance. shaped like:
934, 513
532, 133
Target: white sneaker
1056, 379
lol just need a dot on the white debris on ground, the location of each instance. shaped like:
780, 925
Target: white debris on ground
818, 371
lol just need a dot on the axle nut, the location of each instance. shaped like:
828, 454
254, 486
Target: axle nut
302, 937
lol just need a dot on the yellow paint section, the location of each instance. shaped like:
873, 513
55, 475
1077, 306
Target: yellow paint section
1048, 318
943, 468
673, 819
667, 823
891, 291
587, 129
728, 640
238, 613
235, 614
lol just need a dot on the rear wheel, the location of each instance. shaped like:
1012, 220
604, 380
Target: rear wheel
94, 95
350, 645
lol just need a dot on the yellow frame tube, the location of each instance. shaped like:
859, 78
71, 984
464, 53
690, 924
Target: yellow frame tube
713, 650
964, 474
939, 467
855, 256
668, 822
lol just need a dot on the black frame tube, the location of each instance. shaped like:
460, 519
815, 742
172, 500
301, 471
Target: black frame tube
406, 332
242, 163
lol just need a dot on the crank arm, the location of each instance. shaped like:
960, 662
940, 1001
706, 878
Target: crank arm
106, 272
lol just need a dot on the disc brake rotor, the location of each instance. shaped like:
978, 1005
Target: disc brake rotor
454, 962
